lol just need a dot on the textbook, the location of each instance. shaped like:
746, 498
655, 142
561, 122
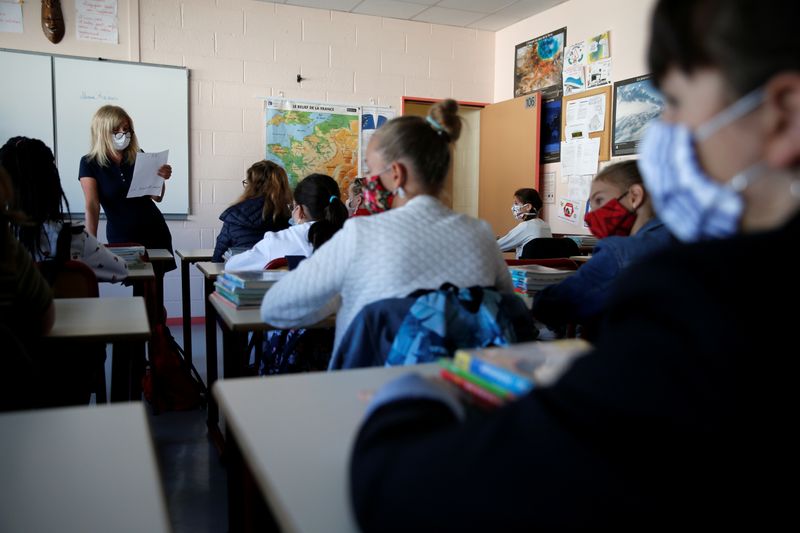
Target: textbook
532, 278
517, 368
478, 394
470, 382
238, 298
255, 279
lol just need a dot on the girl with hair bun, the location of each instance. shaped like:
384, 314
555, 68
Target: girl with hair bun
317, 213
415, 242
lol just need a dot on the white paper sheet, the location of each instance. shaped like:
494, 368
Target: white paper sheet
97, 7
580, 158
599, 74
590, 111
10, 18
549, 187
579, 186
146, 181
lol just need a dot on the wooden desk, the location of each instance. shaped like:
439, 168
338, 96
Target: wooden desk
580, 259
298, 455
159, 254
140, 273
119, 321
187, 258
80, 470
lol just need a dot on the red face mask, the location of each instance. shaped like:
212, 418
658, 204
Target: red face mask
612, 219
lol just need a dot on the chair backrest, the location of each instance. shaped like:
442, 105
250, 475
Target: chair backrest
549, 248
277, 264
75, 280
560, 263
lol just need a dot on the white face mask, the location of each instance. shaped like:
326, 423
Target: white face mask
121, 140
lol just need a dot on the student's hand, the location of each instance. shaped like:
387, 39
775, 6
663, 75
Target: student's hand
165, 171
414, 386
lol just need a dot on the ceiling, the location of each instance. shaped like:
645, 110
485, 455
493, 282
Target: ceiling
491, 15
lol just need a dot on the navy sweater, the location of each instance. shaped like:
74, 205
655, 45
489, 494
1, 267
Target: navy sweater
243, 226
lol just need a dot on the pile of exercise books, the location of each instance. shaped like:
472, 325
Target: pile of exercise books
246, 289
132, 255
491, 377
528, 279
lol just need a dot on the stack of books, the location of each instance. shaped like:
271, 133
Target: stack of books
246, 289
132, 255
491, 377
528, 279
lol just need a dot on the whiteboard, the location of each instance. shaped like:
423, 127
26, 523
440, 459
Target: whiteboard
26, 96
156, 98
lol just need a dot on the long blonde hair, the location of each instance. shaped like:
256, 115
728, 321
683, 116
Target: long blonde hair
268, 179
104, 122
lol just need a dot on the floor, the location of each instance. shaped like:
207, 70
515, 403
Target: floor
193, 477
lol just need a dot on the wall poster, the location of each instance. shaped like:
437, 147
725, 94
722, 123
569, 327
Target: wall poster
538, 64
636, 103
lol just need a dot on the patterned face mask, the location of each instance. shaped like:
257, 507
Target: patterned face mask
690, 203
612, 219
377, 198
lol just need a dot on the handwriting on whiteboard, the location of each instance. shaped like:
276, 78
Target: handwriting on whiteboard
97, 96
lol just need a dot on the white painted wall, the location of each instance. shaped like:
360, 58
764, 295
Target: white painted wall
629, 22
241, 50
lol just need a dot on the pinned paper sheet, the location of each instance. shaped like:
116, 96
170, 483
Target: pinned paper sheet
580, 158
146, 181
568, 210
599, 74
589, 111
579, 186
10, 18
96, 20
549, 187
574, 80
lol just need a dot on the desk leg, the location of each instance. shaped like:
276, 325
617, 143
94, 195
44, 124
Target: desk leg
212, 421
127, 369
186, 303
247, 508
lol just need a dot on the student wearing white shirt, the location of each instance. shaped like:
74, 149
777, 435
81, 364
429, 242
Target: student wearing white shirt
527, 207
317, 213
417, 244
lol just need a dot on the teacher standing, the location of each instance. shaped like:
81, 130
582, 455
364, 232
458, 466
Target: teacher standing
105, 176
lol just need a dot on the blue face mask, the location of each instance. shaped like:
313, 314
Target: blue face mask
691, 204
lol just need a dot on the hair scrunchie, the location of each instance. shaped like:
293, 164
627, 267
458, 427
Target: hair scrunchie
435, 125
331, 199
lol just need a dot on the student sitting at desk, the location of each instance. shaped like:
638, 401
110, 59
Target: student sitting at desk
38, 194
527, 208
263, 207
622, 218
681, 416
417, 244
26, 311
317, 213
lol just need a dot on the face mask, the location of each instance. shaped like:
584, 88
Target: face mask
517, 210
121, 140
692, 205
612, 219
377, 198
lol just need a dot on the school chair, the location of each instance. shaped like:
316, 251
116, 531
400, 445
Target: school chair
277, 264
549, 248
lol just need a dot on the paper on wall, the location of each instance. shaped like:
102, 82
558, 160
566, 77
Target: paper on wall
575, 55
568, 210
579, 186
549, 187
146, 181
599, 74
599, 47
97, 28
574, 80
10, 18
590, 111
580, 158
97, 7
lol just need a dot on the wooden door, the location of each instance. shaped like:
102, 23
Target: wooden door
509, 157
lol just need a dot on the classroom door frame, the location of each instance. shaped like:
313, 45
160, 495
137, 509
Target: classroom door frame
448, 195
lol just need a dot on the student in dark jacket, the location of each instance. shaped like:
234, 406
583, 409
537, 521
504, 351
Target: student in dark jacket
680, 417
622, 217
264, 206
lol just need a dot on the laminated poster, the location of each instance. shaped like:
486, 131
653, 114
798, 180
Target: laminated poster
599, 47
568, 210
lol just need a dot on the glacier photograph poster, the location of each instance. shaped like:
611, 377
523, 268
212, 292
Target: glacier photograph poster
636, 103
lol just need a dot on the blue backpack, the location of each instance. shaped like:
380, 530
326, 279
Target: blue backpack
440, 322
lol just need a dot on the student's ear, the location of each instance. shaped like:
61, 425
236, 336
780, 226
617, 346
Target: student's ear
399, 174
636, 194
782, 101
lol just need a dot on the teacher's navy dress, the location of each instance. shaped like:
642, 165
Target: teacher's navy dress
135, 220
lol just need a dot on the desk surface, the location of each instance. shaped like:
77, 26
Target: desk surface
159, 254
195, 254
580, 258
141, 272
80, 470
299, 456
210, 270
106, 319
249, 319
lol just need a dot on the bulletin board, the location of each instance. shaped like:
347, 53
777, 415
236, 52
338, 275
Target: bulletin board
605, 134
